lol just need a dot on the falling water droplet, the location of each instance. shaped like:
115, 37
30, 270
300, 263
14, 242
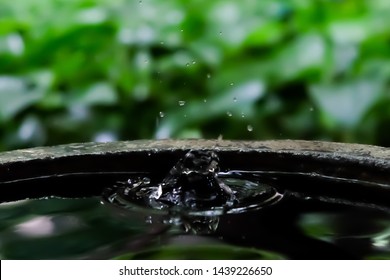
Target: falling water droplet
182, 103
229, 114
140, 2
181, 30
205, 100
194, 62
162, 43
208, 76
220, 32
234, 99
249, 128
311, 109
232, 84
187, 64
161, 114
242, 115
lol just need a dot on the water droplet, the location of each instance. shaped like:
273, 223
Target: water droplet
146, 180
232, 84
229, 114
187, 64
208, 76
242, 115
185, 115
146, 61
173, 221
311, 109
249, 128
161, 114
234, 99
162, 43
140, 2
182, 103
181, 30
194, 62
205, 100
148, 219
220, 32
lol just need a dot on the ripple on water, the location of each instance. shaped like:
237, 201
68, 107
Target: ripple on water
194, 186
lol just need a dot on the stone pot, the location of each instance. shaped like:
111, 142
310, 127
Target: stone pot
82, 170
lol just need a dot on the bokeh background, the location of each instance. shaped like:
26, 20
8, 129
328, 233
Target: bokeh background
106, 70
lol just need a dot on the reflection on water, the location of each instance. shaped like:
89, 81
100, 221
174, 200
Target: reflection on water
198, 212
293, 228
55, 228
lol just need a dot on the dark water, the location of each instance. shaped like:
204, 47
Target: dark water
196, 211
302, 225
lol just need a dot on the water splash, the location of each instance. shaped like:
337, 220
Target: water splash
194, 192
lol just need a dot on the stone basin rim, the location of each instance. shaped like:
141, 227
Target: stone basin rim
26, 173
297, 147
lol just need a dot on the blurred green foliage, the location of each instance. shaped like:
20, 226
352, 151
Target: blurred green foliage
103, 70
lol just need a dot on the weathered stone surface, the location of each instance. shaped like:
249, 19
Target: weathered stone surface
323, 149
280, 146
350, 161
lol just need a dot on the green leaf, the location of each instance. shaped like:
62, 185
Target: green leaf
15, 96
305, 53
98, 94
346, 103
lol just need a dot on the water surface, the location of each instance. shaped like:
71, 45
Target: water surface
302, 225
